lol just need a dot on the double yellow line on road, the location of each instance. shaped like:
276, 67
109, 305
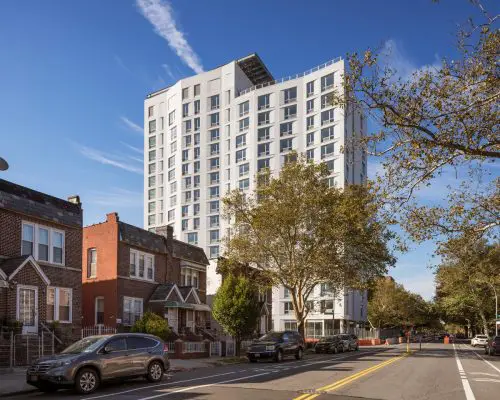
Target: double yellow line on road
349, 379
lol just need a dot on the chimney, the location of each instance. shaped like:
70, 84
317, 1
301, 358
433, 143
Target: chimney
112, 217
75, 200
166, 231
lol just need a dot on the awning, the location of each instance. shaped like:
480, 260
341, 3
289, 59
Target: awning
178, 304
201, 307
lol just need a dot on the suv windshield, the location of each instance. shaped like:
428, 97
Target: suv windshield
272, 336
85, 345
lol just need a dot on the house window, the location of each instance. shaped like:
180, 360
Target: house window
263, 101
151, 111
244, 108
310, 122
327, 117
132, 310
43, 243
264, 118
286, 293
244, 169
327, 100
213, 251
326, 150
196, 223
326, 82
214, 135
192, 238
290, 112
286, 129
214, 206
310, 106
214, 102
263, 134
187, 126
59, 304
141, 263
185, 93
184, 225
213, 221
171, 117
310, 139
190, 277
214, 149
327, 134
310, 155
241, 155
244, 123
196, 124
214, 236
197, 106
171, 215
92, 263
197, 90
288, 307
244, 184
290, 325
99, 310
286, 145
196, 209
241, 140
263, 164
310, 88
213, 191
214, 163
263, 149
290, 95
152, 126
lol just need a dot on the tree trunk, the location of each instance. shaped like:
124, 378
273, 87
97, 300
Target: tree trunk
485, 323
237, 345
301, 328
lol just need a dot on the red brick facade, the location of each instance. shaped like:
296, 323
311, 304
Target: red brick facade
64, 276
113, 281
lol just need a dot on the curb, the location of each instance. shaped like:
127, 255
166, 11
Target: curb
18, 393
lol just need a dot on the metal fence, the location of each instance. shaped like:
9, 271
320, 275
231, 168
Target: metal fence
215, 349
193, 347
17, 350
97, 330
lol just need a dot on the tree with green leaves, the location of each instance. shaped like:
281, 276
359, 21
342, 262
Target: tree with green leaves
441, 118
153, 324
390, 305
235, 307
300, 233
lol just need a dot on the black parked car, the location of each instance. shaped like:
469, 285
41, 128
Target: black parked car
277, 345
329, 344
493, 346
351, 342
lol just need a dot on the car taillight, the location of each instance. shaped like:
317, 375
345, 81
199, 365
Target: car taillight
165, 348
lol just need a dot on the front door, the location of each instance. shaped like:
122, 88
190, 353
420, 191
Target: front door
27, 308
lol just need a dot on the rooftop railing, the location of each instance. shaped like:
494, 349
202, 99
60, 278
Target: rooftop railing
289, 78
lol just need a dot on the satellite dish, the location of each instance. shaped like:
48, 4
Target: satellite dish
3, 164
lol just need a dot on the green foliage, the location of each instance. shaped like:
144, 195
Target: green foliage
299, 232
235, 307
441, 119
467, 281
153, 324
390, 305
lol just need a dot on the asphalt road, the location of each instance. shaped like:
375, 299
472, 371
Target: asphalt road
437, 372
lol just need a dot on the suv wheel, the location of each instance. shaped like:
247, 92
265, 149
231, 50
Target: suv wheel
278, 356
299, 354
87, 381
155, 371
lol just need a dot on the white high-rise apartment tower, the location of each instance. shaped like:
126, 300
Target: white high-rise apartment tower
213, 132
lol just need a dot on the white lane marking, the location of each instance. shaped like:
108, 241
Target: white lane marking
202, 386
487, 362
154, 386
483, 373
487, 380
463, 377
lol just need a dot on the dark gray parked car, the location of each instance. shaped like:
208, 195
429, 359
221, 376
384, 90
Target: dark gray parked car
86, 363
276, 346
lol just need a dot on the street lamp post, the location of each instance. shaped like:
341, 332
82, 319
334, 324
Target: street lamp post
496, 308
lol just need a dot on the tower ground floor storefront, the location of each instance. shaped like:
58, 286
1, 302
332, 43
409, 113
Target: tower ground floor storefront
318, 327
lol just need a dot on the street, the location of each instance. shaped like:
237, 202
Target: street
437, 371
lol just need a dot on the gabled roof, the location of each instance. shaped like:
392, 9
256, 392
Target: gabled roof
163, 292
11, 266
189, 252
40, 205
139, 237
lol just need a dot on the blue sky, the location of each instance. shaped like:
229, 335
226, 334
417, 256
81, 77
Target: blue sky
74, 74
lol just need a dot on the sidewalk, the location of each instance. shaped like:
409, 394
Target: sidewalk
13, 381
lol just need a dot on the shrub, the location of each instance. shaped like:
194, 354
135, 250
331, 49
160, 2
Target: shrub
153, 324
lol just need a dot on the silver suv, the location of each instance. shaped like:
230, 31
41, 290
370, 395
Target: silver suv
86, 363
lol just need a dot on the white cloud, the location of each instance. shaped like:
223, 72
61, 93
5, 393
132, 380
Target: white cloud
159, 14
108, 159
169, 72
139, 160
133, 148
116, 197
394, 56
132, 125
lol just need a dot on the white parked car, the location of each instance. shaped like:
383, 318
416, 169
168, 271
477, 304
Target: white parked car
479, 340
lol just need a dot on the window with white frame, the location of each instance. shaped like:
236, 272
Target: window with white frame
43, 243
92, 263
264, 118
190, 277
99, 310
310, 88
244, 108
59, 304
132, 310
263, 134
244, 123
288, 307
141, 265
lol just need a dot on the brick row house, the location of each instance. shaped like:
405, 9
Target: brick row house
40, 261
128, 271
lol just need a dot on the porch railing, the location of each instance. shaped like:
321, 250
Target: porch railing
193, 347
97, 330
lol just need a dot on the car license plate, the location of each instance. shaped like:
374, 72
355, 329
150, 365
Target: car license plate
257, 355
33, 378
